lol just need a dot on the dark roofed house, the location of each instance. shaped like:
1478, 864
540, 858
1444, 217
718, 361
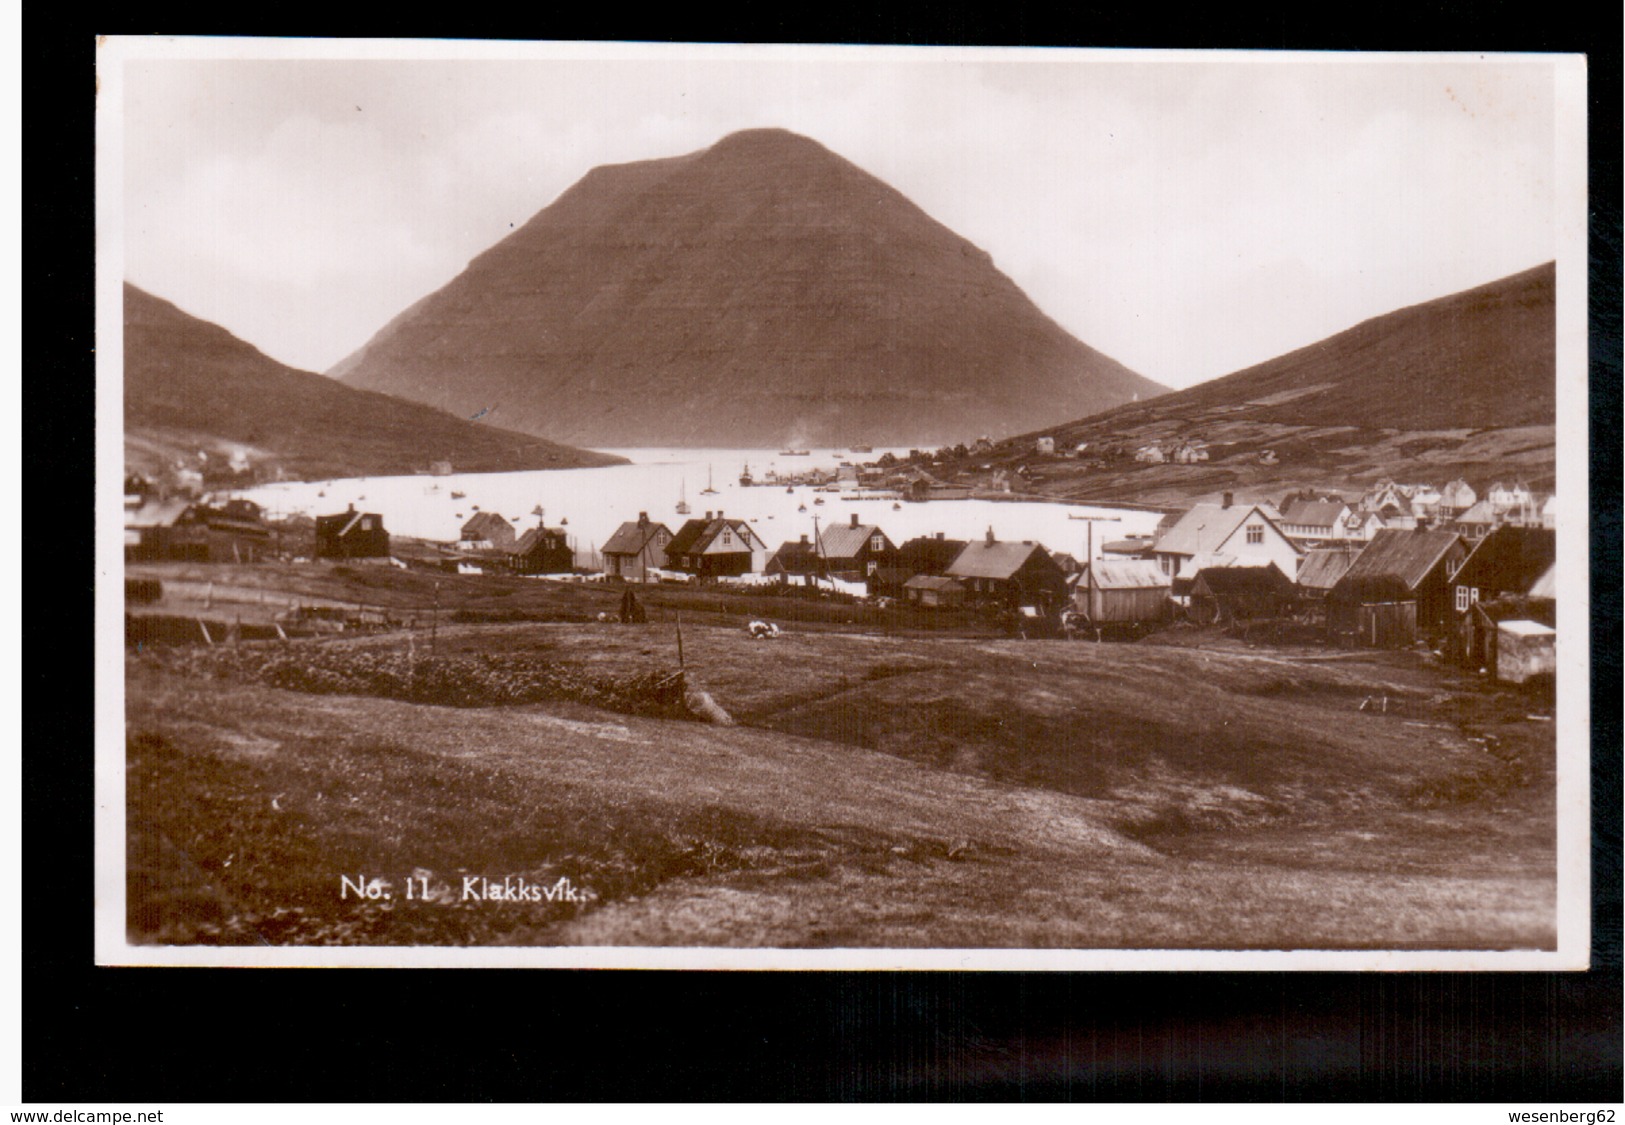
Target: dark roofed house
636, 547
351, 535
934, 590
486, 531
1399, 567
929, 554
542, 550
795, 560
715, 547
1010, 574
1227, 594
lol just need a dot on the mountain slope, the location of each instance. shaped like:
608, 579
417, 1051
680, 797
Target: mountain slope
190, 384
761, 292
1461, 386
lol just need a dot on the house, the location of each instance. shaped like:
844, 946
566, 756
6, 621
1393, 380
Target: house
929, 554
1392, 502
1479, 520
1246, 531
795, 561
542, 550
934, 591
1509, 497
351, 535
716, 547
1044, 445
1455, 498
162, 529
1010, 574
1190, 453
1322, 568
636, 547
1121, 591
440, 468
486, 531
1398, 568
1426, 501
1504, 566
1308, 522
1227, 594
235, 531
855, 551
1150, 454
1362, 526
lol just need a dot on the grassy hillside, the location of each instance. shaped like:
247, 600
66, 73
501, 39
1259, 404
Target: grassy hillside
191, 385
1464, 386
876, 791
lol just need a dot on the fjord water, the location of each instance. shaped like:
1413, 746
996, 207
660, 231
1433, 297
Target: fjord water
592, 503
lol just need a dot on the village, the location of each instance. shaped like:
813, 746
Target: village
1472, 576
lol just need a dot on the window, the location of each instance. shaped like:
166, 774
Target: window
1167, 562
366, 523
1255, 534
877, 542
727, 538
1461, 599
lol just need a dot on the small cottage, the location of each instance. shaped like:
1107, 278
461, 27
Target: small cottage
1229, 594
486, 531
351, 535
1010, 574
1127, 591
636, 547
542, 550
1396, 568
934, 591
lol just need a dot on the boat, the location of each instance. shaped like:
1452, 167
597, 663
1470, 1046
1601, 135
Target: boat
803, 508
537, 510
861, 449
745, 480
791, 490
682, 497
897, 507
818, 500
458, 495
795, 453
708, 490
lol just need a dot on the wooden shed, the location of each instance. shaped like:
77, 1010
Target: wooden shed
1226, 594
1122, 590
934, 590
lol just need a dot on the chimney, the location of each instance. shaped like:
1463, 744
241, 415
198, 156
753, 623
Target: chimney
1229, 499
707, 515
643, 519
990, 539
854, 519
804, 542
941, 535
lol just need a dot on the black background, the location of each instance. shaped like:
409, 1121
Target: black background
207, 1035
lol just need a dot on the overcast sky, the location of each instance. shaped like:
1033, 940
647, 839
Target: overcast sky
1187, 218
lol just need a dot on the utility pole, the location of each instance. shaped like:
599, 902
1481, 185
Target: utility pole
434, 621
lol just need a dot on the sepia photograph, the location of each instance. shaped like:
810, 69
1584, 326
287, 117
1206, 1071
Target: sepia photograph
774, 507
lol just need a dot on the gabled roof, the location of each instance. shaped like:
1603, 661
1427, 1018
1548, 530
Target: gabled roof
844, 541
1314, 513
794, 557
1510, 559
482, 524
1321, 569
696, 535
1207, 525
1407, 555
632, 537
1123, 574
929, 553
997, 560
1481, 512
537, 536
1546, 585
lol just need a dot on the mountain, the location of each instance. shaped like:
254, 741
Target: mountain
190, 385
1465, 385
762, 292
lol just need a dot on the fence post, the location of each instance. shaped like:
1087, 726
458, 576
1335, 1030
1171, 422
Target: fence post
680, 663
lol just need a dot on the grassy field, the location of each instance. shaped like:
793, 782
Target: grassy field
877, 788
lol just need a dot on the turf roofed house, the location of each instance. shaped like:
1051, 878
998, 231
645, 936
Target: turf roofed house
542, 550
1399, 588
1010, 574
795, 561
1244, 531
716, 547
351, 535
1224, 595
636, 547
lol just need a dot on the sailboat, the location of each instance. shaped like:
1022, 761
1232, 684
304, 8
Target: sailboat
708, 490
682, 497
